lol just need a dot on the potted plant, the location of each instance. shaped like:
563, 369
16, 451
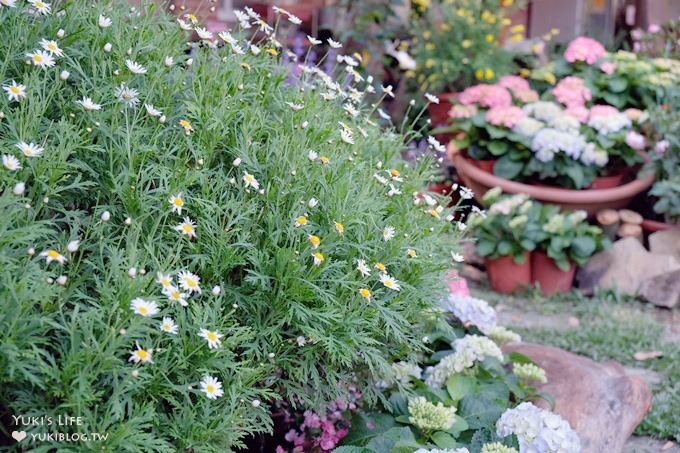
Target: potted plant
567, 241
506, 235
455, 44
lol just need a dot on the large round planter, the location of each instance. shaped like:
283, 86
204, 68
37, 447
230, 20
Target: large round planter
589, 200
551, 278
485, 165
607, 182
506, 276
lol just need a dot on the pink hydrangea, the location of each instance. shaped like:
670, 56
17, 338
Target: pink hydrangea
459, 111
526, 96
636, 141
572, 92
608, 67
506, 116
579, 112
602, 110
486, 96
584, 49
634, 114
514, 83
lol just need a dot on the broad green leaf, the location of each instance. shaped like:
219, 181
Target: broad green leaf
507, 168
443, 440
459, 386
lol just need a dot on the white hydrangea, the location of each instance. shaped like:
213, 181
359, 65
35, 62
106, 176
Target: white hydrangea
608, 124
428, 416
471, 310
467, 351
548, 142
507, 204
593, 156
538, 430
528, 126
565, 123
543, 110
404, 371
500, 335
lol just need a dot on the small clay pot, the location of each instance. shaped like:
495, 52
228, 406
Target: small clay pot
486, 165
551, 278
506, 275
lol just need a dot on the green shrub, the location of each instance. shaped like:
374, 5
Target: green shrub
291, 329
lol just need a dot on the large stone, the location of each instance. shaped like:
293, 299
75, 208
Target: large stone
665, 242
600, 402
624, 267
662, 290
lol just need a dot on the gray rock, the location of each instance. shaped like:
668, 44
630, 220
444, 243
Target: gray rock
662, 290
643, 444
624, 267
665, 242
600, 402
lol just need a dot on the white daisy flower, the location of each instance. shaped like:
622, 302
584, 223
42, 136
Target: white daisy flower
381, 179
128, 96
8, 3
250, 181
294, 19
163, 279
52, 47
152, 111
389, 282
301, 221
363, 268
53, 255
177, 203
41, 7
346, 136
294, 106
457, 257
175, 295
388, 233
187, 227
212, 337
15, 91
334, 44
41, 59
184, 25
432, 98
384, 115
254, 49
143, 308
141, 355
135, 67
10, 162
465, 193
168, 325
312, 155
318, 258
312, 203
30, 149
189, 282
313, 41
433, 142
393, 191
226, 37
388, 90
211, 387
73, 246
104, 22
203, 33
168, 61
88, 104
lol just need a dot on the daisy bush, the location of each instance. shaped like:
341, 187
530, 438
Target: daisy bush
191, 229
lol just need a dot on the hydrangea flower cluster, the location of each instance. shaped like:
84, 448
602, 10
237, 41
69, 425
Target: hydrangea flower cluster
501, 336
572, 92
605, 119
528, 373
405, 371
428, 416
470, 310
584, 49
548, 142
538, 430
467, 351
497, 447
446, 450
506, 116
486, 95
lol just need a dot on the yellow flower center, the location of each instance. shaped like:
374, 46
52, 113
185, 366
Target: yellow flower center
53, 254
210, 388
389, 283
380, 266
165, 282
176, 295
52, 47
212, 336
166, 327
178, 202
365, 293
142, 354
14, 90
143, 311
187, 228
315, 241
318, 256
302, 220
37, 58
249, 178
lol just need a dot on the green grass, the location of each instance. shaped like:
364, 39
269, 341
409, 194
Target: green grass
612, 328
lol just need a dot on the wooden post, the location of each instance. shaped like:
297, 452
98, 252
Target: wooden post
609, 222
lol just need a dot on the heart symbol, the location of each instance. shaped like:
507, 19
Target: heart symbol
19, 435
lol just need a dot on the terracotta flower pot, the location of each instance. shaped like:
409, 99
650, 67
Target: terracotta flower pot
589, 200
486, 165
439, 113
506, 275
551, 278
607, 182
652, 226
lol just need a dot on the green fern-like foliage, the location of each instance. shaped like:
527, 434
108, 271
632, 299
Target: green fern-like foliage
223, 127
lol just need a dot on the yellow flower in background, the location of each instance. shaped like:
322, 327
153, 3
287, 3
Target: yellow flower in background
318, 258
272, 52
507, 3
429, 63
429, 46
315, 241
466, 43
489, 74
524, 72
339, 227
381, 267
365, 293
186, 124
555, 31
519, 28
516, 38
411, 253
301, 221
479, 74
550, 78
427, 34
490, 38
